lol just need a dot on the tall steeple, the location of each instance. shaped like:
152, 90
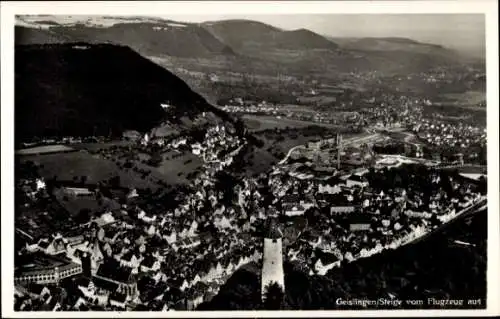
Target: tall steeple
272, 261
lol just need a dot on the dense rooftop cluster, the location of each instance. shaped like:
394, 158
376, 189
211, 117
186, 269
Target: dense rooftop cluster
367, 213
458, 137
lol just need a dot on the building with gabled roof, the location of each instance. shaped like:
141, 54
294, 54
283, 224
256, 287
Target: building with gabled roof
112, 273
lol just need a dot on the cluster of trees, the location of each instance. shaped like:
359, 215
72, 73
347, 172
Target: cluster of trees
155, 160
26, 169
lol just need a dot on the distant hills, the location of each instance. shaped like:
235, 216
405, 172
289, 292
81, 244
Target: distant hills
247, 36
391, 44
150, 37
129, 89
85, 89
157, 37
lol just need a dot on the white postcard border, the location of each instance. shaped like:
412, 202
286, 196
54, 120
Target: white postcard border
9, 9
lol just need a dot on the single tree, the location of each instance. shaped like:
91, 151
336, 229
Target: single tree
274, 297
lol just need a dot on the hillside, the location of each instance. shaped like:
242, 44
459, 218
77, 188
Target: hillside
229, 44
310, 52
30, 35
83, 89
148, 38
245, 36
431, 268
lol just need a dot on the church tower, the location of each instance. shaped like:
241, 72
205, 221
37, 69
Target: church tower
272, 261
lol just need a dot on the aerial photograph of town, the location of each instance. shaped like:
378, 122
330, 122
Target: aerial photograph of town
278, 162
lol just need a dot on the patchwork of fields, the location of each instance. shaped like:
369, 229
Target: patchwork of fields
95, 168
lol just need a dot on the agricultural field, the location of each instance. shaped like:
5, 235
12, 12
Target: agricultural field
46, 149
400, 136
67, 166
177, 165
106, 163
265, 122
472, 170
317, 100
105, 145
468, 98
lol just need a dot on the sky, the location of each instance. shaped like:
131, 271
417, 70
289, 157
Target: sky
465, 31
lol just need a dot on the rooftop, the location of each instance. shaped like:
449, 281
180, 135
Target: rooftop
272, 230
111, 269
39, 262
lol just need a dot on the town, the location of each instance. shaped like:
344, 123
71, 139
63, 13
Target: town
139, 253
232, 164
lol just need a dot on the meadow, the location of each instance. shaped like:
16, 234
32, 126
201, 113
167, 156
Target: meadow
265, 122
67, 166
468, 98
177, 165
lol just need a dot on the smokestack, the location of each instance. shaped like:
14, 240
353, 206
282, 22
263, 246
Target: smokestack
339, 149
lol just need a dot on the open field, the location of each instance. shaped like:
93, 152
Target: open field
469, 98
319, 100
46, 149
264, 122
176, 163
97, 146
405, 137
173, 170
472, 169
400, 136
275, 147
68, 165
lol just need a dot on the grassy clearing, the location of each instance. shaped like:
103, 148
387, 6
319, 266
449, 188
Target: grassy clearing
173, 170
176, 166
261, 159
319, 100
265, 122
68, 165
97, 146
